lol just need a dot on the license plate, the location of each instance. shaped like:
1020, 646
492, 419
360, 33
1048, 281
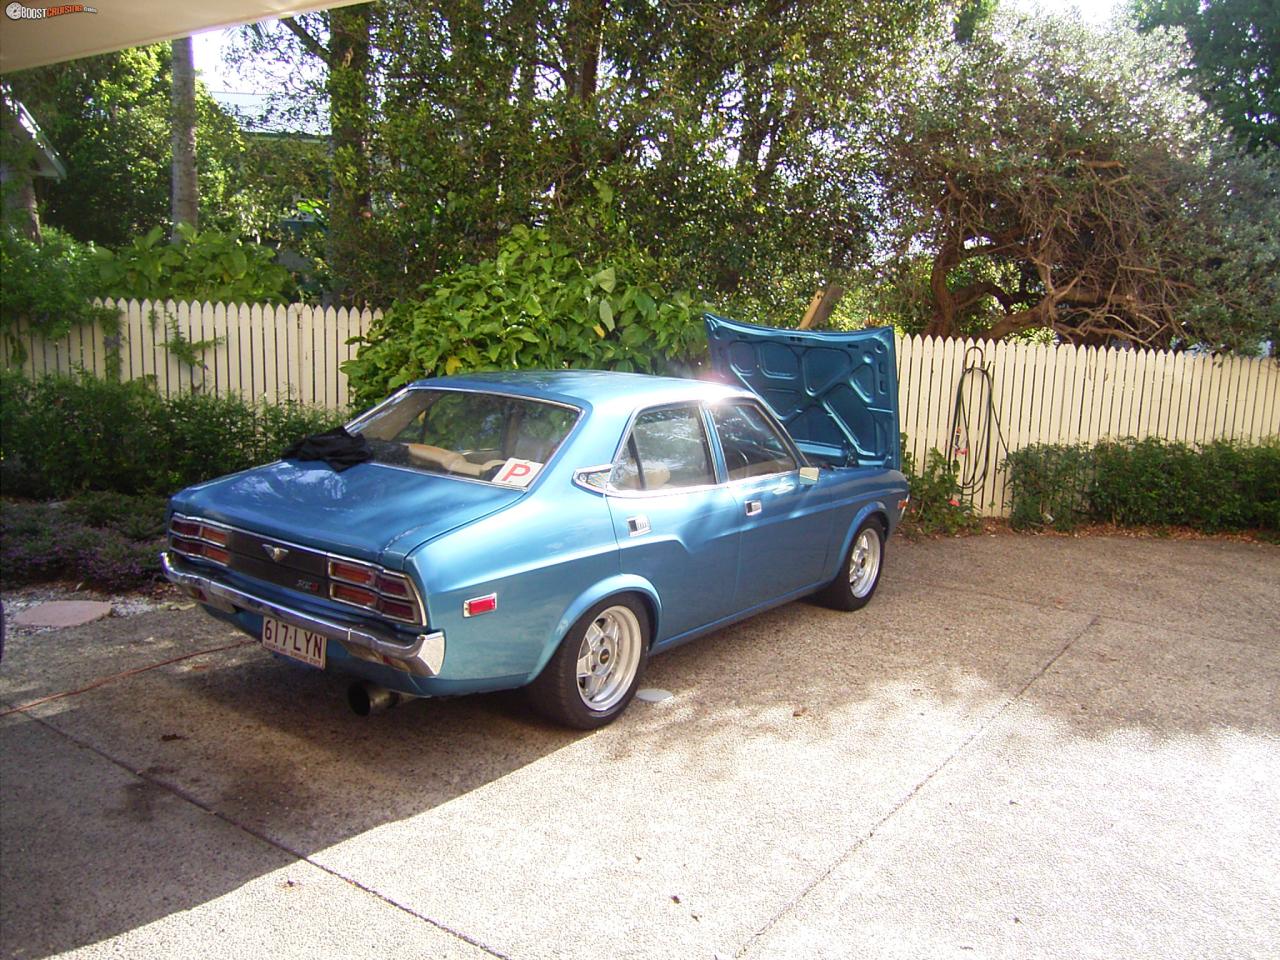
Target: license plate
293, 642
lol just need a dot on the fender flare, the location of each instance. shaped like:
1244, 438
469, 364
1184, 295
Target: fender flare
873, 508
610, 587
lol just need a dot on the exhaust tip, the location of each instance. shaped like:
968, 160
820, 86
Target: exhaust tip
366, 699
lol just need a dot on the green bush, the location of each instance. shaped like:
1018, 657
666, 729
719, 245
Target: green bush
534, 305
105, 540
1222, 485
62, 435
936, 502
1049, 485
50, 284
198, 265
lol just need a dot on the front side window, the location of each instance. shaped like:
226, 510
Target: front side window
752, 445
484, 436
666, 449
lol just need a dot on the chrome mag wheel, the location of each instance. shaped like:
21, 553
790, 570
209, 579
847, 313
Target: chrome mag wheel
864, 562
609, 657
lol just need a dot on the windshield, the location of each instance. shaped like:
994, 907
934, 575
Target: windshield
482, 436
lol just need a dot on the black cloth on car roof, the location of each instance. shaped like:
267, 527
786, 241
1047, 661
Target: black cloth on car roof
335, 447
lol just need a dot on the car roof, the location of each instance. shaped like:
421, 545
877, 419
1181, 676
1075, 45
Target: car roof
599, 389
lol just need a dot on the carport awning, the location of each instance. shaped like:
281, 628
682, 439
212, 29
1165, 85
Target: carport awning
33, 33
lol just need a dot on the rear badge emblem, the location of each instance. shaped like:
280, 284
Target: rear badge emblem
275, 553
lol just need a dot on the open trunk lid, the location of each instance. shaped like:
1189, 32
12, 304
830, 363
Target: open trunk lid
836, 393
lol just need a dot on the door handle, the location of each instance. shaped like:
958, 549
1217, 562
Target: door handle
753, 508
638, 525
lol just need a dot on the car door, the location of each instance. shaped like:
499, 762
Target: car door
786, 526
676, 526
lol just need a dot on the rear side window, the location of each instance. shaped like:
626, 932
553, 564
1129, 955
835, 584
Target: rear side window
667, 449
752, 445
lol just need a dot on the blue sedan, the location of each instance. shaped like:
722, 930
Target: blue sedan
552, 530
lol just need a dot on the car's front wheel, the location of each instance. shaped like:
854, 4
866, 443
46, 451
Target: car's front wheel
596, 669
859, 575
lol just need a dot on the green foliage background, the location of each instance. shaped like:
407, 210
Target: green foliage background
50, 284
197, 265
539, 303
1222, 485
62, 435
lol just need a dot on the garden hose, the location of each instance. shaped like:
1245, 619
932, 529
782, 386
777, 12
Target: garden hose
976, 435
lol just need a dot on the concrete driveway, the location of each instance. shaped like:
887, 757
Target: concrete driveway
1025, 747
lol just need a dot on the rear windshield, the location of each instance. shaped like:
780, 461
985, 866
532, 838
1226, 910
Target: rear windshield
481, 436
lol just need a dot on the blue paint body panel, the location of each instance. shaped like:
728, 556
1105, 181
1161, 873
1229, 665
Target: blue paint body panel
699, 560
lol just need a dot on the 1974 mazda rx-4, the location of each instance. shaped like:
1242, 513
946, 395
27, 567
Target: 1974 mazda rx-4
552, 530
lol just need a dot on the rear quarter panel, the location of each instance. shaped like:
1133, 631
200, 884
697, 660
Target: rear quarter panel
539, 556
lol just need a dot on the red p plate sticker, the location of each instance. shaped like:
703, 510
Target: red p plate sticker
517, 473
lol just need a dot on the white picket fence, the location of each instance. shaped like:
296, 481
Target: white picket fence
1047, 393
258, 351
1038, 392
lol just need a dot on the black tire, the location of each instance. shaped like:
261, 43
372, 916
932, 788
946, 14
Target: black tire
855, 582
620, 633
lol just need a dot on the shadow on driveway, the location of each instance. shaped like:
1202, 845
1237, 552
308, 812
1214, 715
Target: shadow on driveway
790, 738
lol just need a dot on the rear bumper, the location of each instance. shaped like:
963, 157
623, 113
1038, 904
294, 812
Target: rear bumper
423, 657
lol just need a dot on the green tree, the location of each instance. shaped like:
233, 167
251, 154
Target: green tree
718, 125
338, 41
1062, 180
109, 117
1235, 59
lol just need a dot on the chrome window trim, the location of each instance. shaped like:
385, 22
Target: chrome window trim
328, 555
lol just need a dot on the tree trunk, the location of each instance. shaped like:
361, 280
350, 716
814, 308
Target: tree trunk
186, 186
16, 179
349, 194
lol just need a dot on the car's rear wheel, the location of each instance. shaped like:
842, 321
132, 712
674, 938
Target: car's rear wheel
597, 667
859, 575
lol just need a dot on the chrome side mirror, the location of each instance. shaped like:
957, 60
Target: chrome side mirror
809, 476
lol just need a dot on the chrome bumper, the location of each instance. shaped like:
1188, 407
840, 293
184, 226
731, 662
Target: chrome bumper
423, 657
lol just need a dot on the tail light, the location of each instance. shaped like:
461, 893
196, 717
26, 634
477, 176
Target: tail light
364, 585
200, 538
371, 587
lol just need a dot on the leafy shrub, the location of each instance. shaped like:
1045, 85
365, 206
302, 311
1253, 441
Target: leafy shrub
936, 503
50, 284
63, 435
1049, 485
199, 265
1222, 485
534, 305
105, 540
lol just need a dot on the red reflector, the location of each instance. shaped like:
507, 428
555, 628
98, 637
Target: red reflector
215, 535
356, 595
398, 610
480, 605
350, 571
189, 547
216, 554
185, 527
393, 586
